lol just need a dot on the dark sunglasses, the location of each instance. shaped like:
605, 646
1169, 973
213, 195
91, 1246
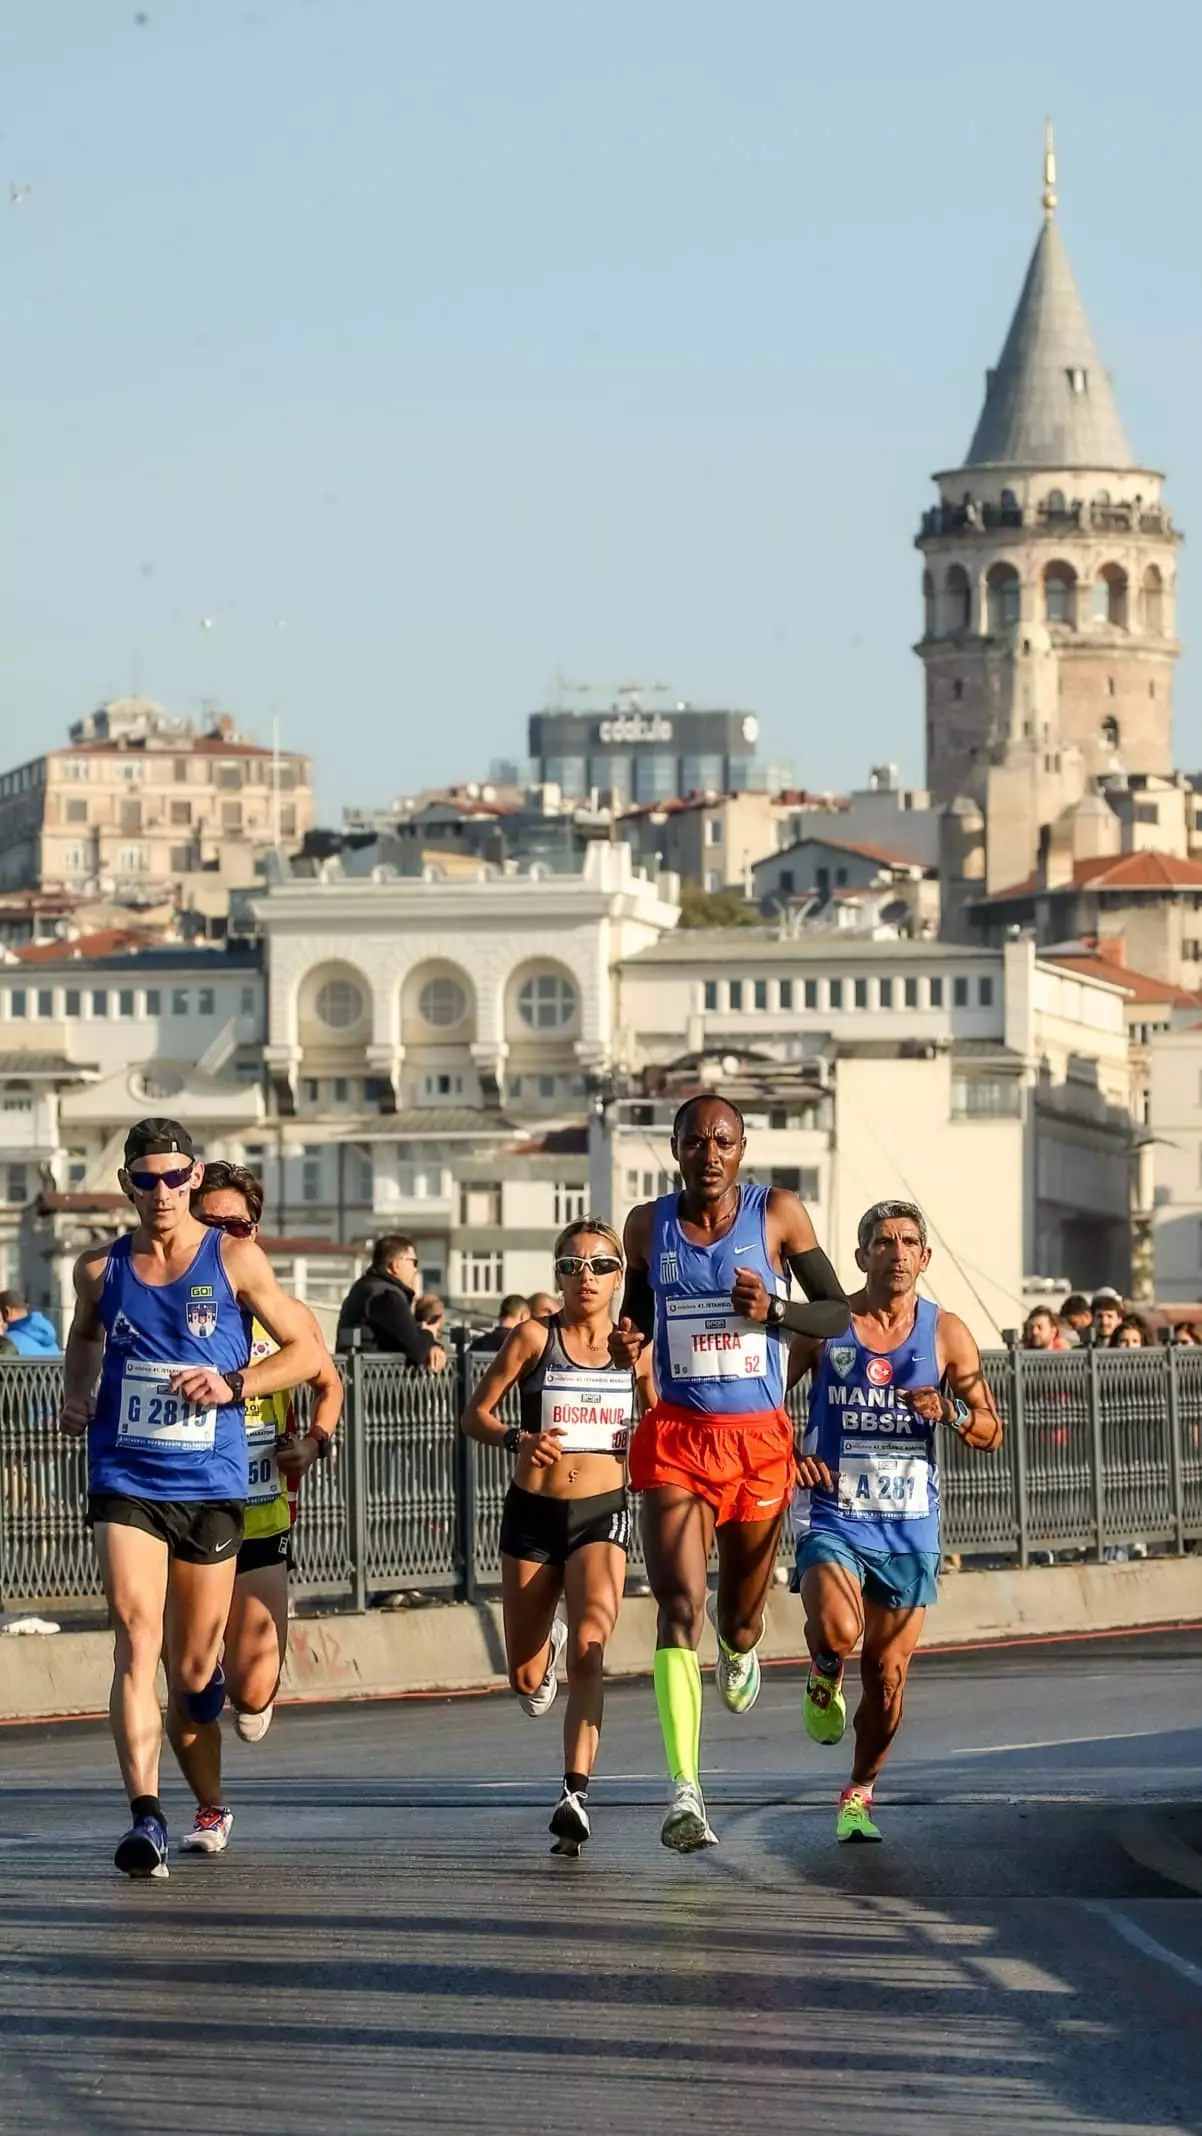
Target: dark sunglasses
599, 1264
146, 1182
237, 1227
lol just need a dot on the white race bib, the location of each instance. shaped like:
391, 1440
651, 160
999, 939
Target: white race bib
708, 1340
589, 1412
151, 1415
878, 1481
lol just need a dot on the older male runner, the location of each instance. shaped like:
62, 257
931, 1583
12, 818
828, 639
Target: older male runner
162, 1320
868, 1530
707, 1279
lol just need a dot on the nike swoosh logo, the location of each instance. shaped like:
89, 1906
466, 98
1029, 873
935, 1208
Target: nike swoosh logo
744, 1249
223, 1547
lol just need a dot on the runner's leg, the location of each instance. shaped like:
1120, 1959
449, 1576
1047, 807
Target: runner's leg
198, 1604
529, 1594
256, 1637
890, 1637
747, 1552
834, 1612
678, 1530
133, 1566
593, 1579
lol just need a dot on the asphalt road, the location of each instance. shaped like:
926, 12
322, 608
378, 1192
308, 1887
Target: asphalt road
389, 1945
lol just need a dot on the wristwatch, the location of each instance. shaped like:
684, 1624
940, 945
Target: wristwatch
234, 1381
961, 1414
776, 1312
324, 1441
512, 1439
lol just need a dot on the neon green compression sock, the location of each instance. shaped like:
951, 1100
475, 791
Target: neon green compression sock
678, 1697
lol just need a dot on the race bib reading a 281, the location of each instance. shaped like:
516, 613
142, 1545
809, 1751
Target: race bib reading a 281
709, 1341
151, 1415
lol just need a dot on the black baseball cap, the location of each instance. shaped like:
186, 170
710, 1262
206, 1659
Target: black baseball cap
155, 1138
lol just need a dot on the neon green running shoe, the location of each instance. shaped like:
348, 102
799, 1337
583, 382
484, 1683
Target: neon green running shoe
824, 1707
737, 1675
855, 1815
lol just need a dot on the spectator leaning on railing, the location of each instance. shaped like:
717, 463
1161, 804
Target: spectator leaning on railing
380, 1306
30, 1334
1076, 1316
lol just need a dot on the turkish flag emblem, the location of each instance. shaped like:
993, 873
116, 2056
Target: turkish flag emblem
879, 1371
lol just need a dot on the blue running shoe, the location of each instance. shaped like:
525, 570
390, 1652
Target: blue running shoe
143, 1851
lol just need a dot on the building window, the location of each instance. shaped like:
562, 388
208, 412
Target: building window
18, 1002
957, 599
860, 993
810, 993
130, 860
206, 1001
180, 1001
442, 1003
229, 778
959, 993
713, 880
711, 985
45, 1001
340, 1004
1004, 598
786, 993
74, 767
759, 993
247, 1001
77, 1167
481, 1274
835, 993
1152, 601
936, 995
16, 1184
570, 1202
985, 993
1147, 812
181, 814
180, 770
910, 992
125, 1001
986, 1098
311, 1176
360, 1183
479, 1206
1060, 593
231, 816
1110, 596
734, 994
130, 768
886, 993
72, 1002
796, 1179
154, 1001
1110, 734
77, 812
309, 1087
342, 1090
547, 1002
713, 830
545, 1085
929, 624
100, 1003
957, 689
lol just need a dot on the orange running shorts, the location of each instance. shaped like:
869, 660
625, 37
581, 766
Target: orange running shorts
742, 1466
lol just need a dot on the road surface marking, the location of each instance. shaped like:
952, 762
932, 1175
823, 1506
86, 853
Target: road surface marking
1140, 1940
1124, 1735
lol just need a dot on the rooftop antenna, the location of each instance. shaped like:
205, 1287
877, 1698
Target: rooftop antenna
1049, 172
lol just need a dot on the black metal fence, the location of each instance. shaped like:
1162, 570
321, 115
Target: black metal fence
1103, 1450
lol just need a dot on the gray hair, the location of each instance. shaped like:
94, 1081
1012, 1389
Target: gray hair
883, 1213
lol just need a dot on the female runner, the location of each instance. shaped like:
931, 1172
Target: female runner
565, 1529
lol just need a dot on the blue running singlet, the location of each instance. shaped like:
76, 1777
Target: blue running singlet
887, 1495
707, 1356
144, 1441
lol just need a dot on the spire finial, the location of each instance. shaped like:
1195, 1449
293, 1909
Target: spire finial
1049, 171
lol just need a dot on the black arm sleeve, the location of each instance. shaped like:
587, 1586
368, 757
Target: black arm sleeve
828, 1312
638, 1301
395, 1328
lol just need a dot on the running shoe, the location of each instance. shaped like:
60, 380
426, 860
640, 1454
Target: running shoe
824, 1707
737, 1675
252, 1727
542, 1700
570, 1823
143, 1851
686, 1826
855, 1815
210, 1834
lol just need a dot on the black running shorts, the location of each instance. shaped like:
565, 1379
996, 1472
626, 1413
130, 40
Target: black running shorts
259, 1551
545, 1531
197, 1531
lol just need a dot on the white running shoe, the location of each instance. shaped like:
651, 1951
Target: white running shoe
736, 1675
686, 1826
210, 1834
570, 1823
252, 1727
542, 1700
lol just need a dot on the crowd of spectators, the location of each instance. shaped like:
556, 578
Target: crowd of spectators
383, 1312
1102, 1322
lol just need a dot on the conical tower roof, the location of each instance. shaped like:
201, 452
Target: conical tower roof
1049, 402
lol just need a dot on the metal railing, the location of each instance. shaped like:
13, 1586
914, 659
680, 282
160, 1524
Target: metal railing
1103, 1450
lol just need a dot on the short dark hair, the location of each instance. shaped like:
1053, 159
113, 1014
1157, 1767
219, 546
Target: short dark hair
158, 1138
1076, 1302
1040, 1312
1136, 1321
221, 1177
387, 1249
706, 1097
11, 1299
514, 1303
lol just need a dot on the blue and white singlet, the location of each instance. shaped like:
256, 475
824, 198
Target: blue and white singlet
888, 1476
707, 1356
144, 1441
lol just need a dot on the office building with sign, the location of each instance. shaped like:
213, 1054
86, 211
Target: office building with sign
639, 754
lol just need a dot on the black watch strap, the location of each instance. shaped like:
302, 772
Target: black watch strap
512, 1439
235, 1382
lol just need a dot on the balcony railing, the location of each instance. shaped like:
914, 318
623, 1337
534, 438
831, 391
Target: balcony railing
1075, 518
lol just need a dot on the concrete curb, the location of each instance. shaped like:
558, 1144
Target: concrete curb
401, 1653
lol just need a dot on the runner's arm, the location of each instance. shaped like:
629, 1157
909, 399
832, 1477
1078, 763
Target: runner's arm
85, 1346
521, 1350
804, 1354
253, 1282
636, 1324
791, 1236
966, 1382
297, 1457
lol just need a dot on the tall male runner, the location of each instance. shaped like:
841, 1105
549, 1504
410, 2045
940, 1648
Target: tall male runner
868, 1539
707, 1280
162, 1320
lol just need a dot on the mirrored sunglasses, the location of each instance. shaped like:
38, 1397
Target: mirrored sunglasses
146, 1182
600, 1264
237, 1227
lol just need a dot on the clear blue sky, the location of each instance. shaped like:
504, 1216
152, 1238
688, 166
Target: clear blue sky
478, 341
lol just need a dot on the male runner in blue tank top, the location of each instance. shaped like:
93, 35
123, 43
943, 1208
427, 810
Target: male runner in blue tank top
707, 1280
868, 1529
162, 1320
